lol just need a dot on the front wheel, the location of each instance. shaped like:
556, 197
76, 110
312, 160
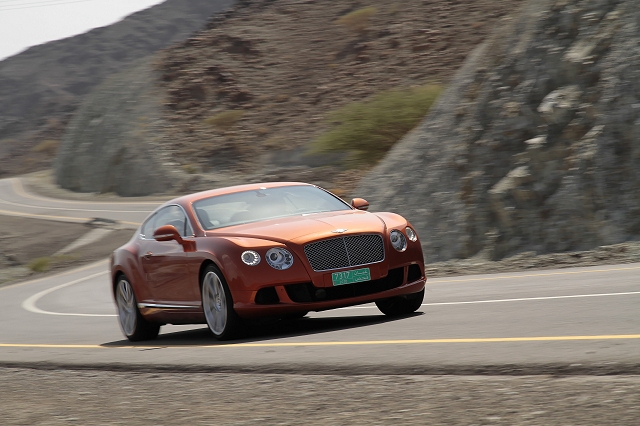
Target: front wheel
217, 304
133, 324
401, 305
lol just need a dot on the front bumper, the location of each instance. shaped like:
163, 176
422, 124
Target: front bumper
301, 297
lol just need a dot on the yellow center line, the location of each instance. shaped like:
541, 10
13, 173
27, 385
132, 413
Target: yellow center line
345, 343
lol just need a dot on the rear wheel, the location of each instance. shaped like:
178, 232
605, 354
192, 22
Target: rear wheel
217, 304
401, 305
133, 324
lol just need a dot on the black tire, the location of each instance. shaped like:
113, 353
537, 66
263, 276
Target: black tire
401, 305
134, 326
217, 305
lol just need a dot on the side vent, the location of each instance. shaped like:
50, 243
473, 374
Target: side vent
414, 273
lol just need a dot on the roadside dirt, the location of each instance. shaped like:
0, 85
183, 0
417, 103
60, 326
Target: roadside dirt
23, 241
605, 255
111, 398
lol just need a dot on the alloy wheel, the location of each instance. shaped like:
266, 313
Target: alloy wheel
214, 302
127, 312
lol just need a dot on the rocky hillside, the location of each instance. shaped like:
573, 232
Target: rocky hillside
535, 146
242, 99
41, 88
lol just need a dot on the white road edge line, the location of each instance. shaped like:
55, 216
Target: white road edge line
11, 203
523, 299
30, 303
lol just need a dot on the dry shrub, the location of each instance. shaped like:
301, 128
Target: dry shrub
225, 120
359, 20
189, 169
41, 264
276, 142
47, 146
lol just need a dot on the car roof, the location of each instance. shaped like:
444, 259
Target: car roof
188, 199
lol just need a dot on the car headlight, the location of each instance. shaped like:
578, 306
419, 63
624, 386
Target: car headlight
398, 241
411, 234
279, 258
251, 257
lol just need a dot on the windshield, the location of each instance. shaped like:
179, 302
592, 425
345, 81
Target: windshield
262, 204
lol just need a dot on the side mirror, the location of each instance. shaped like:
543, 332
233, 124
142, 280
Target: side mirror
360, 204
167, 233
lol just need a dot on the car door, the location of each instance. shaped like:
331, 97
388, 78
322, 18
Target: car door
165, 262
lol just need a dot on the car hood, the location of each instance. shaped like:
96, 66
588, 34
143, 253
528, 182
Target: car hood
304, 228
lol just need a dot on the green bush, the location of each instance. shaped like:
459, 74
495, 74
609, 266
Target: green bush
358, 21
369, 128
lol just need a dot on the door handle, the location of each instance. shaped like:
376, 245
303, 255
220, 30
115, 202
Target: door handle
148, 255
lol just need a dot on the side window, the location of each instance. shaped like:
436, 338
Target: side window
170, 215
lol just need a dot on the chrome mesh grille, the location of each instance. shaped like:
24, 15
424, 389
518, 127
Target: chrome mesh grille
343, 252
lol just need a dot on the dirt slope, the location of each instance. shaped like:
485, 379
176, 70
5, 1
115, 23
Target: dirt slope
284, 65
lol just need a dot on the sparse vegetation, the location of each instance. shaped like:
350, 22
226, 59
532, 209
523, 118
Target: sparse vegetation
368, 129
359, 20
41, 264
225, 120
275, 142
189, 168
47, 146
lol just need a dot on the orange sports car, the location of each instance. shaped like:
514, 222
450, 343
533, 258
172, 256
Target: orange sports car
266, 250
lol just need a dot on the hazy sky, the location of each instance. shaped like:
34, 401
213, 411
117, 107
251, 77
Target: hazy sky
25, 23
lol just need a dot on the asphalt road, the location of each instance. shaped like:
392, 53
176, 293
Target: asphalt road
16, 201
577, 319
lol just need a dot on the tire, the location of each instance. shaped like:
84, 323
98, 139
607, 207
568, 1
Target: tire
134, 326
401, 305
217, 305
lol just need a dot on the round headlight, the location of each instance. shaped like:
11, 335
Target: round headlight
279, 258
251, 257
398, 241
411, 234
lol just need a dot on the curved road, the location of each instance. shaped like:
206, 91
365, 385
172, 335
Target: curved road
576, 319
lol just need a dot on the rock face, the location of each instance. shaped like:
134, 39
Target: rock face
102, 152
536, 144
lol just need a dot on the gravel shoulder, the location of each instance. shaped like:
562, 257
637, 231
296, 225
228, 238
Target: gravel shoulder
97, 397
24, 242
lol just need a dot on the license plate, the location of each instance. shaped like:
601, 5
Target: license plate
350, 277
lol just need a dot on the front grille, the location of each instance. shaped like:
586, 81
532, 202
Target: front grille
307, 292
344, 252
